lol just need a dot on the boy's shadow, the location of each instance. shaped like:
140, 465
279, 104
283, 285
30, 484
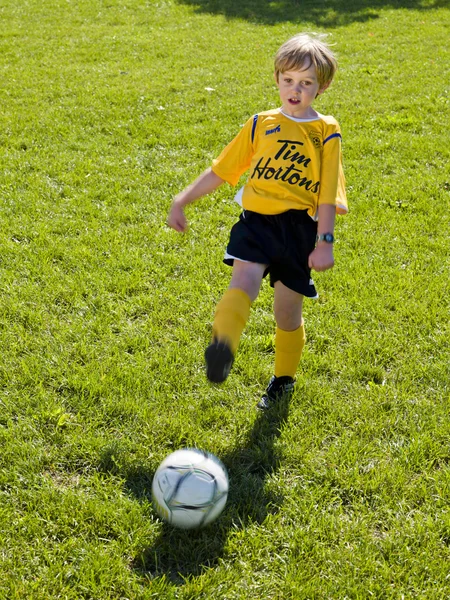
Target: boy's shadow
178, 554
324, 13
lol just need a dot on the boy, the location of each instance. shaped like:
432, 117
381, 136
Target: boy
295, 187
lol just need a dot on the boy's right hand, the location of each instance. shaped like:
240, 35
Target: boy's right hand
206, 183
176, 218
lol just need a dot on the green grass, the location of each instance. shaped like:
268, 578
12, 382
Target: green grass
105, 312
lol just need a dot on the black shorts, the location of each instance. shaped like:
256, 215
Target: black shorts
283, 242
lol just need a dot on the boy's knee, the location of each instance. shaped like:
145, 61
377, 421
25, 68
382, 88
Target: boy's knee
248, 277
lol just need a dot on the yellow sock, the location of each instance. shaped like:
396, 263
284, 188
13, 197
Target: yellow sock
288, 350
232, 313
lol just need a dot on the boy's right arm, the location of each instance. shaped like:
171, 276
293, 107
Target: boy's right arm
203, 185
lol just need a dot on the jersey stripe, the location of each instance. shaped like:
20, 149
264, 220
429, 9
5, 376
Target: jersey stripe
333, 135
255, 120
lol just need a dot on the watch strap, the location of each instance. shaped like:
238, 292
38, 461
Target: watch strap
325, 237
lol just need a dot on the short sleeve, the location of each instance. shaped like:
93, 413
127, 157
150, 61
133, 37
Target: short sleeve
332, 180
236, 158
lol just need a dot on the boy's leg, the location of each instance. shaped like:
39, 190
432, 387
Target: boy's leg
289, 343
230, 318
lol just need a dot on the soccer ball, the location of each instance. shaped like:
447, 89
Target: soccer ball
190, 488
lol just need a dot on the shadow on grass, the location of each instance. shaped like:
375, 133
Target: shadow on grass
325, 13
179, 554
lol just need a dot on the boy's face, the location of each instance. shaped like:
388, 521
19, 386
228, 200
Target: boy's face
298, 90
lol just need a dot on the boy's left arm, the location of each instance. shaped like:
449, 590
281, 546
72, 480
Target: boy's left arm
321, 258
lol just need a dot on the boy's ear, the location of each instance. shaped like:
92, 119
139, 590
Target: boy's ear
275, 76
324, 87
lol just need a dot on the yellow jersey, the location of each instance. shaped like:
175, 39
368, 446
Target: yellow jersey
293, 164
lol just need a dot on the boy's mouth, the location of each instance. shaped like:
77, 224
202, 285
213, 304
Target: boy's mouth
294, 101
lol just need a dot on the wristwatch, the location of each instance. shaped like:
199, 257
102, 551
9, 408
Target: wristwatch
325, 237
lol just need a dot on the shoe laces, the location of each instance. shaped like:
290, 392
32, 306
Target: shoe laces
279, 386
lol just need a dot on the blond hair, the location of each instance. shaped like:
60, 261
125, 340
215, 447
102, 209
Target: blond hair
304, 50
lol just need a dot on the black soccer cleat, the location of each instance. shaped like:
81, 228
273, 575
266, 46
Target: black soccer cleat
278, 388
219, 360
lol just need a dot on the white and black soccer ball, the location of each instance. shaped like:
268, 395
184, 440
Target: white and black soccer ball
190, 488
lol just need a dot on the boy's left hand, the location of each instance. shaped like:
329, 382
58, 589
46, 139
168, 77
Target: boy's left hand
321, 258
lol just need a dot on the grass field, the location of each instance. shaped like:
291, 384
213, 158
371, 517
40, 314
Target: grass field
107, 109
